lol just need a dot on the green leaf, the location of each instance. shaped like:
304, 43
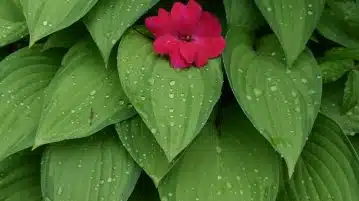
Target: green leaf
143, 147
351, 91
340, 53
65, 38
12, 22
334, 28
332, 70
243, 13
271, 94
328, 168
331, 107
288, 17
24, 75
20, 177
237, 164
109, 19
145, 190
45, 17
96, 168
174, 104
83, 97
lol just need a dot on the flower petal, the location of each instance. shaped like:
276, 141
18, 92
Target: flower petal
186, 17
201, 59
212, 46
161, 24
177, 61
165, 44
188, 51
208, 25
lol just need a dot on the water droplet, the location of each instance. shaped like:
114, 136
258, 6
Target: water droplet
273, 88
219, 177
218, 149
249, 97
59, 191
229, 185
257, 92
44, 23
269, 9
93, 92
304, 80
153, 130
171, 95
172, 83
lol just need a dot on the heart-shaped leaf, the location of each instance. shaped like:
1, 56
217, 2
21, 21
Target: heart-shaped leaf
328, 168
271, 94
83, 97
109, 19
12, 22
332, 107
292, 16
238, 164
174, 104
143, 147
93, 169
24, 75
45, 17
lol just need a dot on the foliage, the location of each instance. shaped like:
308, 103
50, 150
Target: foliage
89, 111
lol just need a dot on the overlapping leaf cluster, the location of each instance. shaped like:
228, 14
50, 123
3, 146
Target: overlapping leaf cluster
89, 113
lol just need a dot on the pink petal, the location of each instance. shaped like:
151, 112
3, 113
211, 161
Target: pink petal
177, 61
160, 24
201, 59
186, 17
208, 25
212, 46
165, 44
188, 51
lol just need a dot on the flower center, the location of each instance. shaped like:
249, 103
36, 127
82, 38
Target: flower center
186, 38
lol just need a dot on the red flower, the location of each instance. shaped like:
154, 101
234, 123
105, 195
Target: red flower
187, 34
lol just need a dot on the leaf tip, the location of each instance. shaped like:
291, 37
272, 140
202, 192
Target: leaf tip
38, 143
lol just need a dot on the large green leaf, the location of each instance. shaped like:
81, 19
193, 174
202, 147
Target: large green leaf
143, 147
174, 104
342, 53
96, 168
12, 22
337, 29
332, 70
271, 94
243, 13
237, 164
20, 177
109, 19
332, 107
45, 17
292, 19
351, 91
328, 168
23, 77
83, 97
